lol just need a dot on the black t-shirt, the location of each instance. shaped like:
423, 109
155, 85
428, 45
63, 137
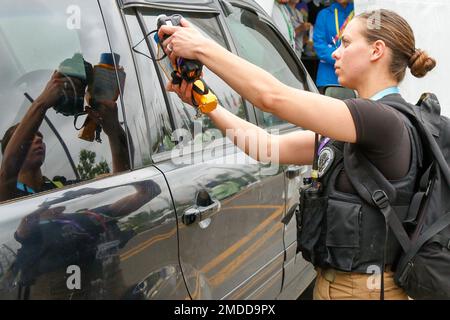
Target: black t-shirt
382, 136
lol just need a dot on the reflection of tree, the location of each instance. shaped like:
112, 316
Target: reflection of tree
234, 103
87, 167
227, 184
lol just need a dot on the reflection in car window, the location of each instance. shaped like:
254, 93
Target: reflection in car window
259, 44
135, 114
184, 114
41, 153
159, 123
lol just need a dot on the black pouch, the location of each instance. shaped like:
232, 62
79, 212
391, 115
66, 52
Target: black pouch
310, 215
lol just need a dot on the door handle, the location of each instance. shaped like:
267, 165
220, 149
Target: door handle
200, 213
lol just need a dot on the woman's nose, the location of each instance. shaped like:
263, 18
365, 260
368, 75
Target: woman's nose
336, 54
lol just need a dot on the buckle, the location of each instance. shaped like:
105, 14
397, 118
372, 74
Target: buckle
380, 199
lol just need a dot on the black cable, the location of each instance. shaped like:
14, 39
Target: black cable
139, 52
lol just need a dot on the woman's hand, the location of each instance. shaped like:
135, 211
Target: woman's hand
184, 41
184, 91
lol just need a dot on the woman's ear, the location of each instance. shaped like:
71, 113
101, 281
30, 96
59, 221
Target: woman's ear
378, 50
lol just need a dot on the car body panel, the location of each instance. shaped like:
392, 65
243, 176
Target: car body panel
111, 229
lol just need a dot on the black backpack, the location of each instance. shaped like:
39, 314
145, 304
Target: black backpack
423, 268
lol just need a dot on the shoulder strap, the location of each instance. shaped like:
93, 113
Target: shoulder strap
375, 189
426, 135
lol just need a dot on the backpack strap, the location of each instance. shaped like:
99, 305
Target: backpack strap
430, 233
426, 134
375, 189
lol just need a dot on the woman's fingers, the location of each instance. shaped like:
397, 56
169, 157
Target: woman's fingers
183, 86
184, 91
166, 31
184, 23
188, 92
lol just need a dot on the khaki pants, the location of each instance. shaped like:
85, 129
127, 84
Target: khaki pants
338, 285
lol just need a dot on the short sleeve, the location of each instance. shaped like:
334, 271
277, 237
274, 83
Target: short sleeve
378, 126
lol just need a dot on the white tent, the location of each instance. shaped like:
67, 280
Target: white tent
430, 20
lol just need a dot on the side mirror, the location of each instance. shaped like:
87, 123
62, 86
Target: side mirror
340, 92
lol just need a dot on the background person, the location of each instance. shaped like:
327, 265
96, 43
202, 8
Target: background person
328, 30
299, 24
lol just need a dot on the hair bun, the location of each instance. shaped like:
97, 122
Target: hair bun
420, 63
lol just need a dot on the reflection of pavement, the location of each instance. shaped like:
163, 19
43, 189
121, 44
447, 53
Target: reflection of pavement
7, 257
147, 252
138, 258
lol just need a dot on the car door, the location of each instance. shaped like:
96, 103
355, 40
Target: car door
258, 41
229, 206
108, 233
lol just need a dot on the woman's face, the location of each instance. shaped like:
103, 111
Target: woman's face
353, 55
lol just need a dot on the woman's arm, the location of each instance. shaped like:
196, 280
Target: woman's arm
327, 116
293, 148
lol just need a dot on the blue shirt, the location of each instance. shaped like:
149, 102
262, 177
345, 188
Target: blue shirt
324, 32
383, 93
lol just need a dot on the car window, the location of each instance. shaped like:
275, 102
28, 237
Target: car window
158, 117
259, 44
135, 115
43, 153
192, 130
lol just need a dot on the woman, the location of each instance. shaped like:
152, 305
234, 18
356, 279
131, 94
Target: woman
372, 60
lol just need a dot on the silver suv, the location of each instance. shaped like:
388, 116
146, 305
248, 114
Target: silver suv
154, 203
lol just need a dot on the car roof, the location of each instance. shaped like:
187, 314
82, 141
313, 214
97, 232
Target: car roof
188, 5
191, 5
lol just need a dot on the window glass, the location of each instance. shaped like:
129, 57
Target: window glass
46, 152
184, 115
135, 113
158, 117
259, 44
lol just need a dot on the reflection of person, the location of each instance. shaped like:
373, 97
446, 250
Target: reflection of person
105, 114
328, 30
23, 145
373, 62
52, 240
